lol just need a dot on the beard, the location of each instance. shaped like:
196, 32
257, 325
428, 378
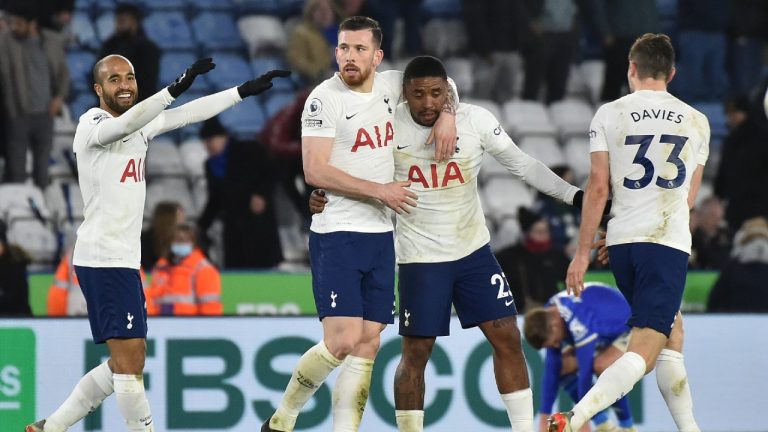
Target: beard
114, 104
356, 77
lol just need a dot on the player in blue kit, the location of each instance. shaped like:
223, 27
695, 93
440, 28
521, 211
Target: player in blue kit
649, 148
110, 145
582, 336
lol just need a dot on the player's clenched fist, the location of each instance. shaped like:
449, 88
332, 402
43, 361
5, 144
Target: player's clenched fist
397, 196
184, 82
261, 84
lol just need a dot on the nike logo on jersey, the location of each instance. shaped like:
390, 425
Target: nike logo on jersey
508, 302
402, 147
350, 116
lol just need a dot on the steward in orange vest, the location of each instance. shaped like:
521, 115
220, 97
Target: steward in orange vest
186, 283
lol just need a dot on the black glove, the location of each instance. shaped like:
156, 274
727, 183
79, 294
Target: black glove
260, 84
578, 202
186, 79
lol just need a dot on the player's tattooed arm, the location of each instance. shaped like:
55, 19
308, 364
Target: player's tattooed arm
451, 102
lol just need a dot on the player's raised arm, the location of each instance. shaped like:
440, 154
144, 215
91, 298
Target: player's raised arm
203, 108
318, 171
115, 83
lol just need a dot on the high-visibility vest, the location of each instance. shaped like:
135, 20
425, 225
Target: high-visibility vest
189, 287
65, 297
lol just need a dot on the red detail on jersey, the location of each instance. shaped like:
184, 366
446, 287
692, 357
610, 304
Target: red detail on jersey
364, 139
133, 169
452, 172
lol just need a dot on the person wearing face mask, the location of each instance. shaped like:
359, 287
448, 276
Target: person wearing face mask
130, 41
185, 282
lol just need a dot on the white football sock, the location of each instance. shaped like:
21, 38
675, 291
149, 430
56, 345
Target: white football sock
410, 420
87, 395
611, 385
673, 384
351, 393
520, 409
132, 402
308, 375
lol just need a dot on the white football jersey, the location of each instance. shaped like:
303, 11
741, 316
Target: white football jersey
655, 143
448, 223
362, 125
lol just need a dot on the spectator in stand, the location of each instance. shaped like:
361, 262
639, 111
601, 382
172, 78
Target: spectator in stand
130, 41
309, 52
703, 47
184, 283
156, 240
14, 286
551, 48
563, 219
711, 240
619, 23
534, 268
747, 34
387, 12
241, 183
282, 138
35, 82
742, 175
741, 286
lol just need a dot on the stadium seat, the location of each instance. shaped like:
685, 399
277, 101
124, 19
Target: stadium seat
715, 113
192, 94
442, 8
490, 167
37, 238
244, 120
444, 37
503, 195
216, 30
488, 104
163, 159
155, 5
82, 103
276, 102
460, 71
231, 70
22, 200
266, 7
80, 65
262, 33
172, 64
577, 155
107, 5
84, 31
524, 117
65, 200
169, 189
261, 65
105, 25
571, 116
169, 30
576, 85
593, 73
507, 234
193, 156
543, 148
200, 194
83, 5
211, 5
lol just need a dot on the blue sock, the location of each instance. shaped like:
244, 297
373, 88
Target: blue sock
623, 412
570, 385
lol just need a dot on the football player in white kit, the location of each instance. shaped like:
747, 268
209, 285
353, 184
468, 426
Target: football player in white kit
649, 148
443, 249
348, 136
110, 146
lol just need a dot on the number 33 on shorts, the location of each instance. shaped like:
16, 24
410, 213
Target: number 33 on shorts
505, 292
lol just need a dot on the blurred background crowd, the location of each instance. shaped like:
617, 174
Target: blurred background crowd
230, 194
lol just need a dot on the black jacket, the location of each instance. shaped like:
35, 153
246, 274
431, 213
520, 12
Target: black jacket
14, 286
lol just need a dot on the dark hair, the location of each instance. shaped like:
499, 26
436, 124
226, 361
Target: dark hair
164, 226
212, 127
423, 67
129, 9
654, 56
355, 23
536, 327
188, 229
26, 9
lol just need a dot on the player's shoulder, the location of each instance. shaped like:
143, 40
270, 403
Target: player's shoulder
390, 78
94, 116
479, 117
326, 94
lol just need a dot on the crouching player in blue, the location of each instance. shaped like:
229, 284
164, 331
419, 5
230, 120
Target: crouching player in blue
582, 336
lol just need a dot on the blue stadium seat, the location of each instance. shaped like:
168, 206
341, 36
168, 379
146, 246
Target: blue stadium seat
105, 25
83, 5
266, 7
155, 5
169, 30
211, 5
276, 102
193, 129
81, 103
716, 115
172, 64
244, 120
216, 30
260, 65
441, 8
231, 70
84, 31
80, 65
287, 8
